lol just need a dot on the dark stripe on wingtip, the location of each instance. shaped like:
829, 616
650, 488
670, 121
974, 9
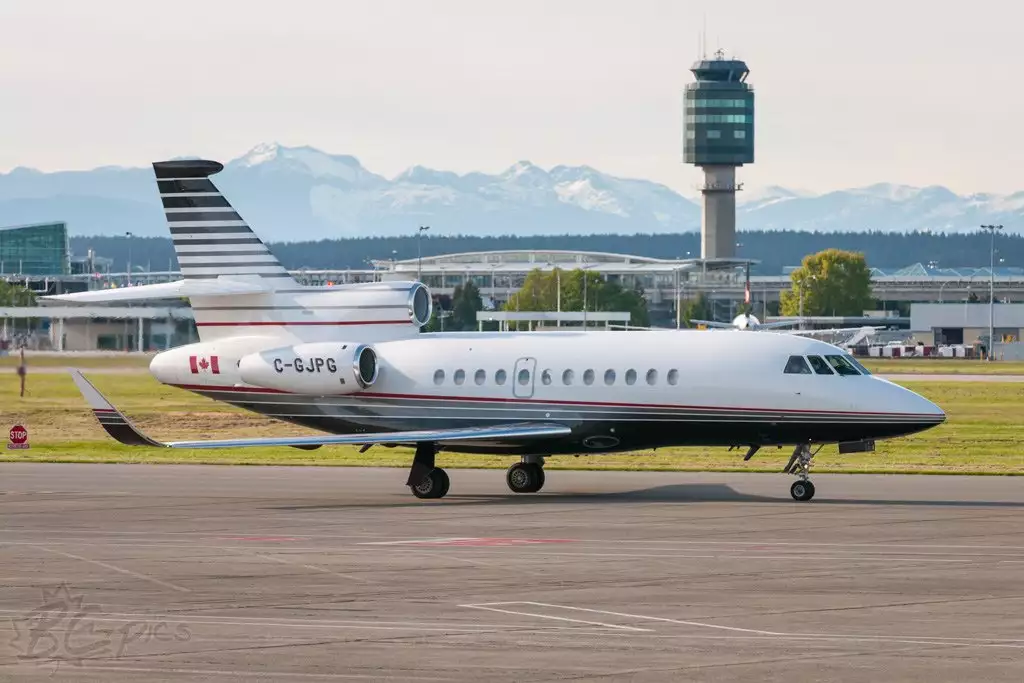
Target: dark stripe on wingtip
231, 264
186, 168
214, 242
194, 216
211, 230
194, 202
178, 186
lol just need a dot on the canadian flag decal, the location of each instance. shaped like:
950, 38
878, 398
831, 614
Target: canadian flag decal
199, 364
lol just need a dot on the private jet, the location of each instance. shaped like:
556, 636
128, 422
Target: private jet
353, 362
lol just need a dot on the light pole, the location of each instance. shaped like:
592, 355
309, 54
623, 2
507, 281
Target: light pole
129, 236
419, 252
992, 229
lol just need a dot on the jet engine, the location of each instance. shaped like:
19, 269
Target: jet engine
322, 368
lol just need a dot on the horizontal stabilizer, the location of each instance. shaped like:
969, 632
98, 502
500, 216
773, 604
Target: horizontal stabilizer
166, 290
121, 429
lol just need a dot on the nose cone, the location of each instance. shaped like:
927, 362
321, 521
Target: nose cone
912, 410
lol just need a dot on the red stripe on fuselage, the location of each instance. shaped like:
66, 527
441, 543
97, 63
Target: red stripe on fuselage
493, 399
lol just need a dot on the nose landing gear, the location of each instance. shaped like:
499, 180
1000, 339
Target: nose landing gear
800, 465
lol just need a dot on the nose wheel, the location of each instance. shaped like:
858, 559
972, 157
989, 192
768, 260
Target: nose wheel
525, 477
800, 465
802, 490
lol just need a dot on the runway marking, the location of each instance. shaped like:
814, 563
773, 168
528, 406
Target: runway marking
122, 570
312, 567
488, 606
473, 542
919, 640
250, 674
628, 616
538, 552
265, 539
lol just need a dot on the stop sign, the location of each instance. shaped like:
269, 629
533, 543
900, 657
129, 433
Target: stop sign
19, 434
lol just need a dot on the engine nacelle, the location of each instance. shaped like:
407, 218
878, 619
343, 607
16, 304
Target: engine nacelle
322, 368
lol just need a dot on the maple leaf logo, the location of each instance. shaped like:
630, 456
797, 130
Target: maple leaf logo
204, 364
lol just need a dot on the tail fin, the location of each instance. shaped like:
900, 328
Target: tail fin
210, 238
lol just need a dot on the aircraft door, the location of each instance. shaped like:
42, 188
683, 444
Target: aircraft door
523, 377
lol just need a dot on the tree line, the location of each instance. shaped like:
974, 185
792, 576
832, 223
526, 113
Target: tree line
775, 250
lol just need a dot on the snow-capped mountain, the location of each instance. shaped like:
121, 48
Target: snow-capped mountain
300, 193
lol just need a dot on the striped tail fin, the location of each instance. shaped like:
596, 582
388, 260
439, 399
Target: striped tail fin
210, 238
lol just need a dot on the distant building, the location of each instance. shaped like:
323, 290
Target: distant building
40, 249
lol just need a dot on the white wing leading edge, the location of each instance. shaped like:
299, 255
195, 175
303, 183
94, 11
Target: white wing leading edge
121, 429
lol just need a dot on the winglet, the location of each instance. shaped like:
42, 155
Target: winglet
109, 417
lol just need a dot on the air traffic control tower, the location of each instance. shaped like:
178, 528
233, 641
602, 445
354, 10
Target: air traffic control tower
718, 136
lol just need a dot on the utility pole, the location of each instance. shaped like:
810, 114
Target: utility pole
129, 236
992, 230
419, 253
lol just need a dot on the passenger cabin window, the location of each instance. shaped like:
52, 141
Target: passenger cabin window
545, 377
499, 377
480, 377
588, 377
652, 377
567, 377
460, 376
523, 377
438, 377
819, 365
797, 366
842, 365
630, 377
673, 377
609, 377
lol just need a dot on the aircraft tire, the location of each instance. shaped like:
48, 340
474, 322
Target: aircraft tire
524, 477
802, 490
434, 485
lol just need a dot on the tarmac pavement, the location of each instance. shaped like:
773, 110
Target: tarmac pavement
174, 573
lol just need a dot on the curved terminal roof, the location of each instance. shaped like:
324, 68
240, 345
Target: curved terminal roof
519, 259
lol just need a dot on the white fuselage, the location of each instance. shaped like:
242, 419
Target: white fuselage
616, 389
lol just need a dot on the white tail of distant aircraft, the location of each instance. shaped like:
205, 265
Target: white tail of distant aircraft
351, 361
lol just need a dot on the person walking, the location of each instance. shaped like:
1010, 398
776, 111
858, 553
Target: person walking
22, 371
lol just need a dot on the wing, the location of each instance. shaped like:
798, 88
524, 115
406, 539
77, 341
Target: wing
777, 324
712, 323
119, 427
833, 330
165, 290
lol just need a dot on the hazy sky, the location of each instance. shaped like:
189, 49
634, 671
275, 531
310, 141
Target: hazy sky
910, 91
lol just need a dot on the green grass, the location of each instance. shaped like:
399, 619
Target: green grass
982, 435
942, 366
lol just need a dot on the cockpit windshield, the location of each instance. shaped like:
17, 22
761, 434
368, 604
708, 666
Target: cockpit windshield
819, 365
842, 365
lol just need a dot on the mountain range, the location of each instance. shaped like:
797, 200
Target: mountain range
292, 193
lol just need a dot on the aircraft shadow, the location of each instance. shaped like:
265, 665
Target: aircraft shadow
672, 493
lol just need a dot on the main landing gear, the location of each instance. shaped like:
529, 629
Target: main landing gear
800, 465
526, 476
426, 480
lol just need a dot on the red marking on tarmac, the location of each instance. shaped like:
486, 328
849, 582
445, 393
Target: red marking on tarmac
488, 542
262, 539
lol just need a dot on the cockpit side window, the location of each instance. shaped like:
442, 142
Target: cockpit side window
819, 365
857, 364
842, 365
797, 366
